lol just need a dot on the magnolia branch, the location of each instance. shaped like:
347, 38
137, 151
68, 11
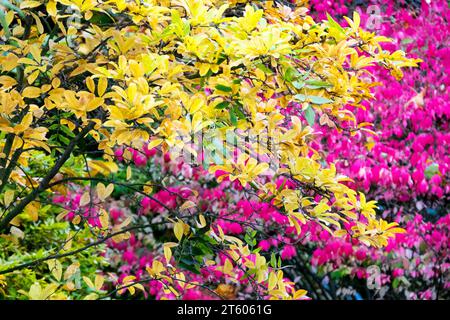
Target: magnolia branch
73, 252
43, 185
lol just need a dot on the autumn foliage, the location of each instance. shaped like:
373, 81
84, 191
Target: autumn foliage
162, 147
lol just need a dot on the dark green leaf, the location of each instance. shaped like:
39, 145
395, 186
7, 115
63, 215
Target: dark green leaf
67, 131
273, 260
223, 88
291, 74
233, 118
223, 105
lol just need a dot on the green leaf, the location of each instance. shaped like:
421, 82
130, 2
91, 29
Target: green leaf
99, 18
312, 99
202, 245
298, 84
222, 105
233, 118
319, 100
4, 24
300, 97
67, 131
281, 187
310, 115
273, 260
395, 283
407, 41
291, 74
431, 170
264, 68
195, 268
237, 110
223, 88
248, 239
181, 28
339, 273
63, 139
317, 84
333, 24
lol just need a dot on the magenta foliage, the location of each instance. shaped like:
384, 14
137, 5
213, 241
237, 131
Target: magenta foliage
406, 166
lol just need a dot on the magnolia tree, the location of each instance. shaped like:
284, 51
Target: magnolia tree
216, 93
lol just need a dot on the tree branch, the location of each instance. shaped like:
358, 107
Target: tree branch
43, 185
70, 253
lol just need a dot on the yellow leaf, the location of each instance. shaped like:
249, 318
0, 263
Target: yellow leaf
300, 293
68, 242
121, 237
227, 267
273, 280
125, 223
340, 233
188, 204
178, 229
8, 197
35, 292
76, 220
104, 192
104, 219
356, 19
27, 61
89, 282
154, 143
51, 8
99, 280
85, 199
24, 124
90, 84
156, 269
103, 167
91, 296
148, 189
128, 280
30, 4
167, 253
31, 92
129, 173
33, 76
71, 270
88, 15
48, 291
56, 82
9, 62
16, 232
221, 234
69, 286
7, 82
202, 221
55, 268
39, 25
102, 84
